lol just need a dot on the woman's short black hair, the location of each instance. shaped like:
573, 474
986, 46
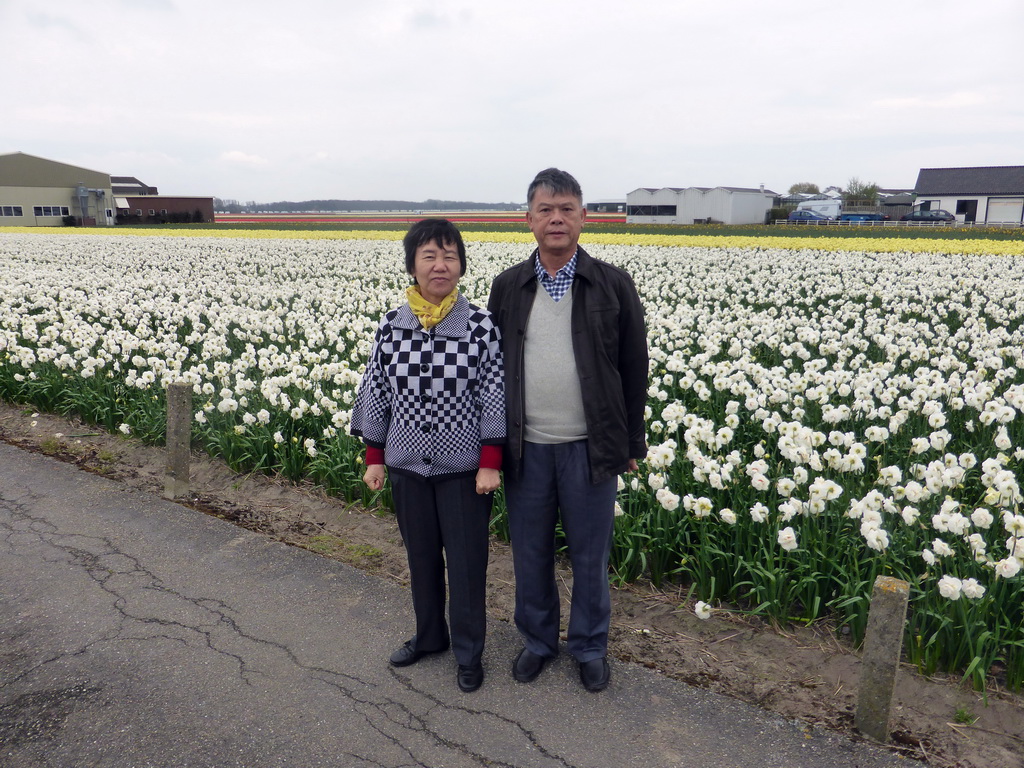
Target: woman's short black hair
440, 231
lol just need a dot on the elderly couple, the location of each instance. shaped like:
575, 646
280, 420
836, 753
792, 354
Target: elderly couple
548, 384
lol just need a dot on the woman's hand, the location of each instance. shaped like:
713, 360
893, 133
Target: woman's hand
374, 477
487, 480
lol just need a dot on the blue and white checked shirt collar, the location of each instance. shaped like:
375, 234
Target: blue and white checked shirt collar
560, 284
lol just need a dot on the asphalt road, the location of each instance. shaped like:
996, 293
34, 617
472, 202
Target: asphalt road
138, 632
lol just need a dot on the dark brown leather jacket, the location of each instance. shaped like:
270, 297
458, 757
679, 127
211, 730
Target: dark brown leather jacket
610, 346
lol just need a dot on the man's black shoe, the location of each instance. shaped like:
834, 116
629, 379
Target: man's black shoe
594, 674
470, 678
408, 654
527, 666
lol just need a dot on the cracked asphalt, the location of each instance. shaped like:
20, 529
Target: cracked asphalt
139, 632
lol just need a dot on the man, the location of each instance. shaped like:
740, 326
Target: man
575, 351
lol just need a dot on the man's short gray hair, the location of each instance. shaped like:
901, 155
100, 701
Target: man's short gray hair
558, 182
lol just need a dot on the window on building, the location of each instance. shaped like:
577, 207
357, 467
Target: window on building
51, 210
651, 210
11, 210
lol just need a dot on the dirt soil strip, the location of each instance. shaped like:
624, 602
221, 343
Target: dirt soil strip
804, 673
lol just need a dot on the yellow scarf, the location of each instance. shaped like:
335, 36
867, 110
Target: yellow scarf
429, 314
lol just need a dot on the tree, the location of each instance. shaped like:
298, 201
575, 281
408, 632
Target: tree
860, 193
804, 187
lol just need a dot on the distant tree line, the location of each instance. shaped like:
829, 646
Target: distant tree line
233, 206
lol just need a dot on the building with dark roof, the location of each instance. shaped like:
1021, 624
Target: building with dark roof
129, 185
989, 194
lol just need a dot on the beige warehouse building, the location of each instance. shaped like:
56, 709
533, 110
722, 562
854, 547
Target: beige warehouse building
36, 192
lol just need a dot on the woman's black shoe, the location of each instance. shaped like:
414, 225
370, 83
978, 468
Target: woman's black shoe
408, 654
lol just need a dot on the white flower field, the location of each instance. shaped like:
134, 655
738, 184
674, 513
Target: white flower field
816, 417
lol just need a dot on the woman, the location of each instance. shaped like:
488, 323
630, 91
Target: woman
431, 408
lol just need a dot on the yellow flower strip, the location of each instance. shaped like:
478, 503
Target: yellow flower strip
863, 244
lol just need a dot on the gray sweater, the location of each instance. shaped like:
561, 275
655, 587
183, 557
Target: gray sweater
554, 401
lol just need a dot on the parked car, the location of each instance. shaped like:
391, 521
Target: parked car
808, 217
936, 215
863, 217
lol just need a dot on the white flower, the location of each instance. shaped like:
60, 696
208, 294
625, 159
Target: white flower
950, 587
1008, 568
982, 518
227, 405
1015, 547
790, 509
703, 610
940, 439
787, 539
667, 499
919, 445
758, 513
877, 539
972, 589
941, 548
702, 507
914, 492
727, 516
125, 429
1014, 524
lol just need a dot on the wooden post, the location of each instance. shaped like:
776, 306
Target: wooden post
179, 439
883, 644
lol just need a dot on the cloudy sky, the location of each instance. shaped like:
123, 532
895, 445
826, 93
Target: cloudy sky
467, 99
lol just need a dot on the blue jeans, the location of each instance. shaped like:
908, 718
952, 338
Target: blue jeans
555, 485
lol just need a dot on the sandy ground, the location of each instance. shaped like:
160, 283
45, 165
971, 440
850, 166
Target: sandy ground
805, 673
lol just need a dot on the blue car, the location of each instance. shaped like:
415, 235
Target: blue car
863, 217
808, 217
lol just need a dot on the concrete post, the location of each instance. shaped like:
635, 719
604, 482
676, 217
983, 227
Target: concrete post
883, 644
179, 439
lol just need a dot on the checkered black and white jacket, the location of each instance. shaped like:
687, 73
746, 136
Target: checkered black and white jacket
430, 399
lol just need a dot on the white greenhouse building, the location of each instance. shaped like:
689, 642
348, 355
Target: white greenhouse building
699, 205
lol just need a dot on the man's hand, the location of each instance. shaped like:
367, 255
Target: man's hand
633, 466
487, 480
374, 477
